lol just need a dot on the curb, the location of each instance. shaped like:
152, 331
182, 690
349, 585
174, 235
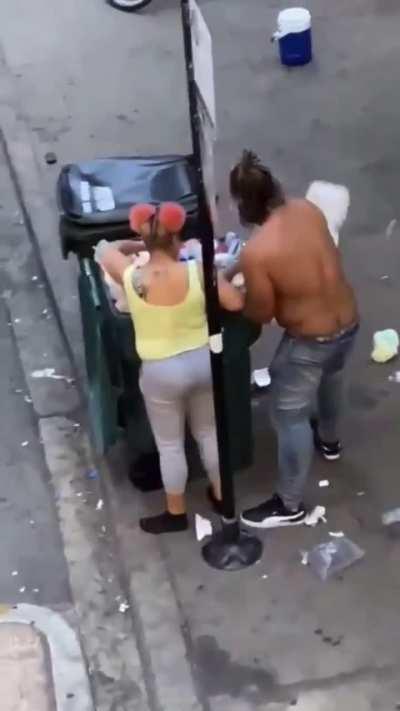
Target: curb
71, 688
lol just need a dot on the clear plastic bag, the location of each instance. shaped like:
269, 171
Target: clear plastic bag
330, 558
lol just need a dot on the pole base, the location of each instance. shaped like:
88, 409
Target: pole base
232, 548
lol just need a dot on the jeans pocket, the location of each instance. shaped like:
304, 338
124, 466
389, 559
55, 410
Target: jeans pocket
310, 353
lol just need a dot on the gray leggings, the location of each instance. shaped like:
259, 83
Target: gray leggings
175, 390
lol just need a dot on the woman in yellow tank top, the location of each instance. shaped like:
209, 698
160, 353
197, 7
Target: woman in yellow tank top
167, 305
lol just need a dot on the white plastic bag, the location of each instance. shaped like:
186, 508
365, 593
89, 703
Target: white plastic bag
330, 558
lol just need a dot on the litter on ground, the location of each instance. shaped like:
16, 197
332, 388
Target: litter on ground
49, 373
91, 473
390, 517
390, 228
304, 557
261, 378
385, 345
395, 377
315, 516
327, 559
203, 527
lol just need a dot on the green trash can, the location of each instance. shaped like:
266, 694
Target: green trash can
115, 401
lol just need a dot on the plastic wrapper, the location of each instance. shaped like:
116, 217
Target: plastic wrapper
329, 558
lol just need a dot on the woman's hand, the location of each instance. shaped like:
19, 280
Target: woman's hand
112, 260
230, 298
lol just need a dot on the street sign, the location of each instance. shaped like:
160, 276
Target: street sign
207, 141
203, 74
203, 64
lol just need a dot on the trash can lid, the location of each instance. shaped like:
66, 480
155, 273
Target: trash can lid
294, 19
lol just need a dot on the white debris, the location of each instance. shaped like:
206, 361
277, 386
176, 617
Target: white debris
124, 607
323, 483
18, 391
238, 281
35, 590
304, 557
334, 201
79, 493
28, 399
104, 529
264, 577
315, 516
14, 573
48, 373
203, 527
392, 516
395, 377
32, 522
99, 505
385, 276
385, 345
25, 443
35, 278
390, 228
336, 534
22, 590
360, 493
45, 312
17, 320
261, 378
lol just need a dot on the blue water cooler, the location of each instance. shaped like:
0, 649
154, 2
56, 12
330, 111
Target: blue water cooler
294, 36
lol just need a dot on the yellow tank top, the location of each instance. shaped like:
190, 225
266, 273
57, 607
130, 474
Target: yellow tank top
165, 331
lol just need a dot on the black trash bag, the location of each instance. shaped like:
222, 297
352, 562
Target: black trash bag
103, 191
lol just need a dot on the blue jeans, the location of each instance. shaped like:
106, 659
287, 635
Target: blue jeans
306, 373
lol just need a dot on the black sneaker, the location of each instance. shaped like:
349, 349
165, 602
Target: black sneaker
329, 450
273, 514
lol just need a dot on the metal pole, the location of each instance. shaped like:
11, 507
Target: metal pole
230, 548
210, 282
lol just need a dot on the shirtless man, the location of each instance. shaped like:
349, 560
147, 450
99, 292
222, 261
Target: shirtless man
293, 273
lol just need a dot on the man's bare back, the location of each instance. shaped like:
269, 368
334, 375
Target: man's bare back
293, 273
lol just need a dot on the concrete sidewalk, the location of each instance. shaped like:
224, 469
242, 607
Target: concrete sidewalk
274, 636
